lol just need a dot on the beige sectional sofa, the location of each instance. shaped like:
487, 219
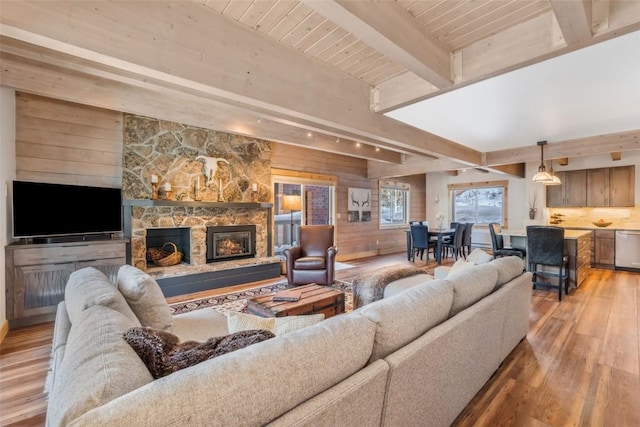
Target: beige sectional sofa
415, 358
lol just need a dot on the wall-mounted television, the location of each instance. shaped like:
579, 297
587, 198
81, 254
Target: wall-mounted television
47, 210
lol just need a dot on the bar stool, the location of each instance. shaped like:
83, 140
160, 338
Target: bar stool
545, 247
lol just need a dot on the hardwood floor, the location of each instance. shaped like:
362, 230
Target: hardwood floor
579, 364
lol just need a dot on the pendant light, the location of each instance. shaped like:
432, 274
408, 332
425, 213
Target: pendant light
542, 176
554, 178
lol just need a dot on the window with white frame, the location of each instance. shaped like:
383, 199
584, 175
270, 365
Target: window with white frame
480, 203
394, 204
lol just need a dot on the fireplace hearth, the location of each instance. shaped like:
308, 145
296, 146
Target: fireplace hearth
230, 242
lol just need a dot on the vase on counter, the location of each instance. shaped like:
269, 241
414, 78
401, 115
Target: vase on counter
532, 213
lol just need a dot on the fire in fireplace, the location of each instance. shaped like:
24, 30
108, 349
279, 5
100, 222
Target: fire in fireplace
230, 242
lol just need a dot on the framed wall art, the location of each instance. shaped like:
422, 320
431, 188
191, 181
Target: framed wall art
359, 205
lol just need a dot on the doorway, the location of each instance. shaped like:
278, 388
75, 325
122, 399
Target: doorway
300, 201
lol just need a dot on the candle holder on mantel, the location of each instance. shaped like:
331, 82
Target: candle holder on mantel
154, 187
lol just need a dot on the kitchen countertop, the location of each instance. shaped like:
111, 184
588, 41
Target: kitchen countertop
568, 233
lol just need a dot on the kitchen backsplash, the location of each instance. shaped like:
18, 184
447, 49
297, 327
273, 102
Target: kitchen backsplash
621, 218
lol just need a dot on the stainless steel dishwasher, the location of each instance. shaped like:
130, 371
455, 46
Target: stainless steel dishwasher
628, 249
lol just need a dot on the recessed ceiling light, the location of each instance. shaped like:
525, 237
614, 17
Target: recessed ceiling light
337, 140
309, 134
377, 149
259, 121
358, 144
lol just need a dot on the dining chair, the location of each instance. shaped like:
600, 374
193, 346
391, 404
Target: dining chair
420, 241
466, 239
497, 242
545, 248
455, 244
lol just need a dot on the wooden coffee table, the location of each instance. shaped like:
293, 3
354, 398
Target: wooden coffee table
315, 299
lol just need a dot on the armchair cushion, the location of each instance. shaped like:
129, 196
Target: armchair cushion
310, 263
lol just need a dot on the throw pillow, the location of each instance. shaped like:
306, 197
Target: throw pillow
461, 265
237, 322
144, 296
162, 353
479, 256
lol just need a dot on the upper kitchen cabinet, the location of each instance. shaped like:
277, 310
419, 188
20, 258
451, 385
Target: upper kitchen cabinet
611, 186
572, 192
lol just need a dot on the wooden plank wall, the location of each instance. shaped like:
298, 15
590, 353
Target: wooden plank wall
354, 239
66, 143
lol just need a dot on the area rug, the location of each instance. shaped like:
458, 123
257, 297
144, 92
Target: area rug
237, 301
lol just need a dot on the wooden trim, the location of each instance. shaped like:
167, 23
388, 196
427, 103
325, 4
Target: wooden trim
483, 184
304, 175
4, 330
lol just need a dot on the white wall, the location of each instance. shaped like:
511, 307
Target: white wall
7, 174
517, 208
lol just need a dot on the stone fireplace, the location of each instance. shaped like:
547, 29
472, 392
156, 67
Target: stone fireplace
237, 192
230, 242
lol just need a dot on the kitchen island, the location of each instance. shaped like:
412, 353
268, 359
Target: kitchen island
577, 245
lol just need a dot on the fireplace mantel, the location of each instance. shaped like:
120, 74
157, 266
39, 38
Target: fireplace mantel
147, 203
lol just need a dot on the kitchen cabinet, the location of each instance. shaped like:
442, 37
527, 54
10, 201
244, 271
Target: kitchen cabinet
611, 186
579, 252
36, 274
604, 249
572, 192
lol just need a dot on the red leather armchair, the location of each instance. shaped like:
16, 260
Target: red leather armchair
315, 259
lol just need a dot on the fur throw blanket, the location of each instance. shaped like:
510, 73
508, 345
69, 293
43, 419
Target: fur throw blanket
369, 287
163, 354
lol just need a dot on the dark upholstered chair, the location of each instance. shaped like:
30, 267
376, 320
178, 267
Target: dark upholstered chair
545, 248
466, 239
455, 243
499, 249
314, 260
420, 241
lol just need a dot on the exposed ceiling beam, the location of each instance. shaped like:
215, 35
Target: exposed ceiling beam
293, 91
574, 18
50, 81
393, 32
523, 45
616, 155
621, 141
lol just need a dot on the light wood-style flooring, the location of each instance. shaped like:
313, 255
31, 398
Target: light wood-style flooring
579, 364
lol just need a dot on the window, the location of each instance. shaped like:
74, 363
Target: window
479, 203
394, 204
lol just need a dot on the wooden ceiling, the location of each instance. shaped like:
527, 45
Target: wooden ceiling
316, 73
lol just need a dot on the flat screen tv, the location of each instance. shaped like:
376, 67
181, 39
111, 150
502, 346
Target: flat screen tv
47, 210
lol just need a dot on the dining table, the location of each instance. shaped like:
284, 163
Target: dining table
439, 234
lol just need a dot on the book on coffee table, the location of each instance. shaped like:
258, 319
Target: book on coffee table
287, 295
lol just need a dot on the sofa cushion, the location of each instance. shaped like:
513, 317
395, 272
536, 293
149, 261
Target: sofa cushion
200, 325
479, 256
407, 315
470, 285
88, 287
98, 365
461, 265
310, 263
163, 354
508, 268
237, 322
405, 283
144, 296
